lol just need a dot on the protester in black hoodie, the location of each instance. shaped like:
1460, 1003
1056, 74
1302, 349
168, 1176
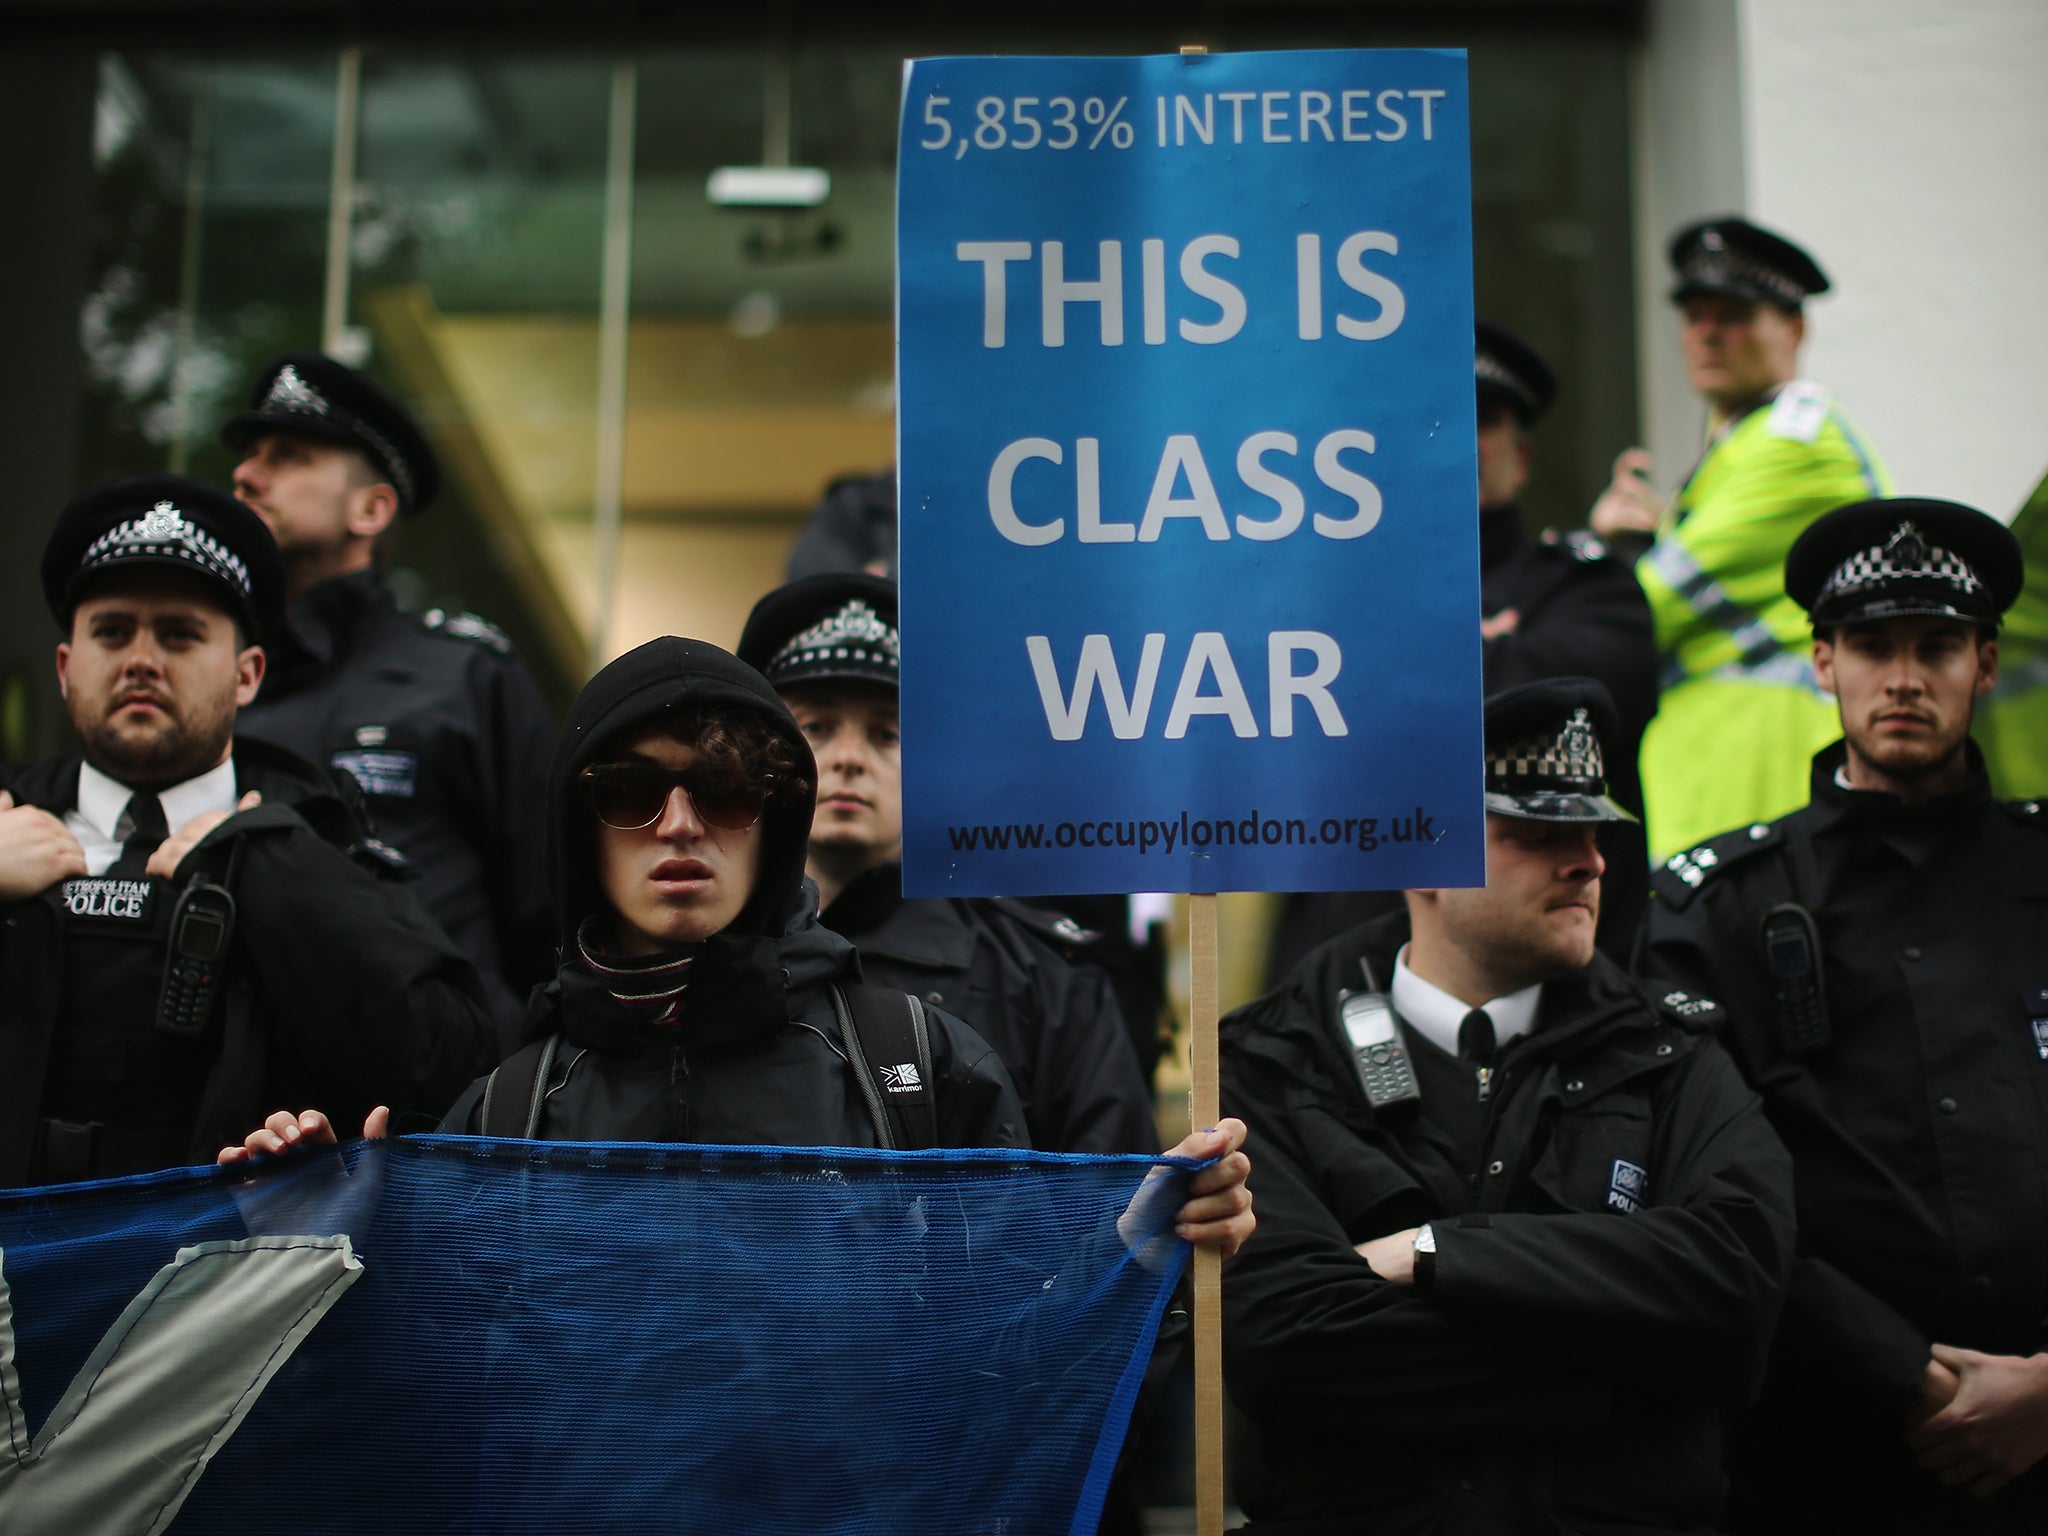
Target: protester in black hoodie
693, 996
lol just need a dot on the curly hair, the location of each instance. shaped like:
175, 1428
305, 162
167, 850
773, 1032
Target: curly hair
741, 744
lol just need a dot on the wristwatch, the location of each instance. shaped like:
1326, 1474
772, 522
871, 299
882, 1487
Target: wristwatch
1425, 1257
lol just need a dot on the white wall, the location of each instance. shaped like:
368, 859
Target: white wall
1688, 163
1905, 143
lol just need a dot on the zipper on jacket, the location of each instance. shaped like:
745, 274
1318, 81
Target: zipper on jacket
1490, 1125
679, 1092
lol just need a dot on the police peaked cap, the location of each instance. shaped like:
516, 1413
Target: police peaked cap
1735, 259
166, 522
311, 393
1511, 370
840, 626
1904, 557
1545, 755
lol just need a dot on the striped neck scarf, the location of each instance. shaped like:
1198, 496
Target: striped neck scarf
649, 987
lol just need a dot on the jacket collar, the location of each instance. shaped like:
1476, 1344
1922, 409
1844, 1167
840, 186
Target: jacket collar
1577, 1011
52, 782
1915, 830
744, 989
103, 800
866, 901
872, 912
322, 619
1500, 533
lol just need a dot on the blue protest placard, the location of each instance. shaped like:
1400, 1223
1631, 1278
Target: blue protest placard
1188, 479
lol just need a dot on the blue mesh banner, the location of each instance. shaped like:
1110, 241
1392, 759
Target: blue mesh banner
451, 1334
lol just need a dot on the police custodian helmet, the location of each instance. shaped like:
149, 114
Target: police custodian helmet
1544, 759
1900, 557
838, 627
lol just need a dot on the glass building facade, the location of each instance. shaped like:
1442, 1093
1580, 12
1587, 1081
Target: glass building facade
638, 393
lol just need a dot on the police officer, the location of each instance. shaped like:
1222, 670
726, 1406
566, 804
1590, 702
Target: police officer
1019, 975
853, 528
1740, 715
1553, 605
194, 925
1522, 1227
1884, 957
431, 713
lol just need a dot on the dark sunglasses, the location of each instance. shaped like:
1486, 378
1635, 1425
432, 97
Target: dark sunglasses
628, 796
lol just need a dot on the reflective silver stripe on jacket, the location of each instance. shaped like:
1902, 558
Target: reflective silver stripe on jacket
1760, 655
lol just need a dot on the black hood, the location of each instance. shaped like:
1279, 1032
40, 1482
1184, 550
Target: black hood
647, 682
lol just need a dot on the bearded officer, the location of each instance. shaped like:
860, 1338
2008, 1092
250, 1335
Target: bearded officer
1522, 1227
1018, 974
195, 927
1550, 605
432, 713
1740, 715
1884, 956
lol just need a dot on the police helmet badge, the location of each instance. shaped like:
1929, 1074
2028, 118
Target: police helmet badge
160, 523
1581, 748
1905, 547
290, 392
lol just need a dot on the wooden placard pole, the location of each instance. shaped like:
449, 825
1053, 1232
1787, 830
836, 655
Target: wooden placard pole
1204, 1109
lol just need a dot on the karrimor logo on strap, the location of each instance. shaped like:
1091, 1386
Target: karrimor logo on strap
902, 1078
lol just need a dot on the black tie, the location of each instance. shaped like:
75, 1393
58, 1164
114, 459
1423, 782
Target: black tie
1475, 1038
147, 830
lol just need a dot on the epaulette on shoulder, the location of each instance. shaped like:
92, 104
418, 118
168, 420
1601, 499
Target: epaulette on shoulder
1681, 876
458, 625
2032, 813
382, 860
1581, 544
1799, 411
1056, 928
1690, 1010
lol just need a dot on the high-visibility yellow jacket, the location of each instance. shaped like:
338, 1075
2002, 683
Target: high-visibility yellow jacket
2011, 724
1740, 716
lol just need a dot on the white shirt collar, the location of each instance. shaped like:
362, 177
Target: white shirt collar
1436, 1015
103, 802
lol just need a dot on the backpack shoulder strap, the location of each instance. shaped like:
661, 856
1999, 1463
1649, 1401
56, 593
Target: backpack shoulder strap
888, 1041
516, 1089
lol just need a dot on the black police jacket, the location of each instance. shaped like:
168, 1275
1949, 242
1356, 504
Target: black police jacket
1054, 1021
1581, 613
1919, 1132
450, 741
1564, 1371
340, 992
